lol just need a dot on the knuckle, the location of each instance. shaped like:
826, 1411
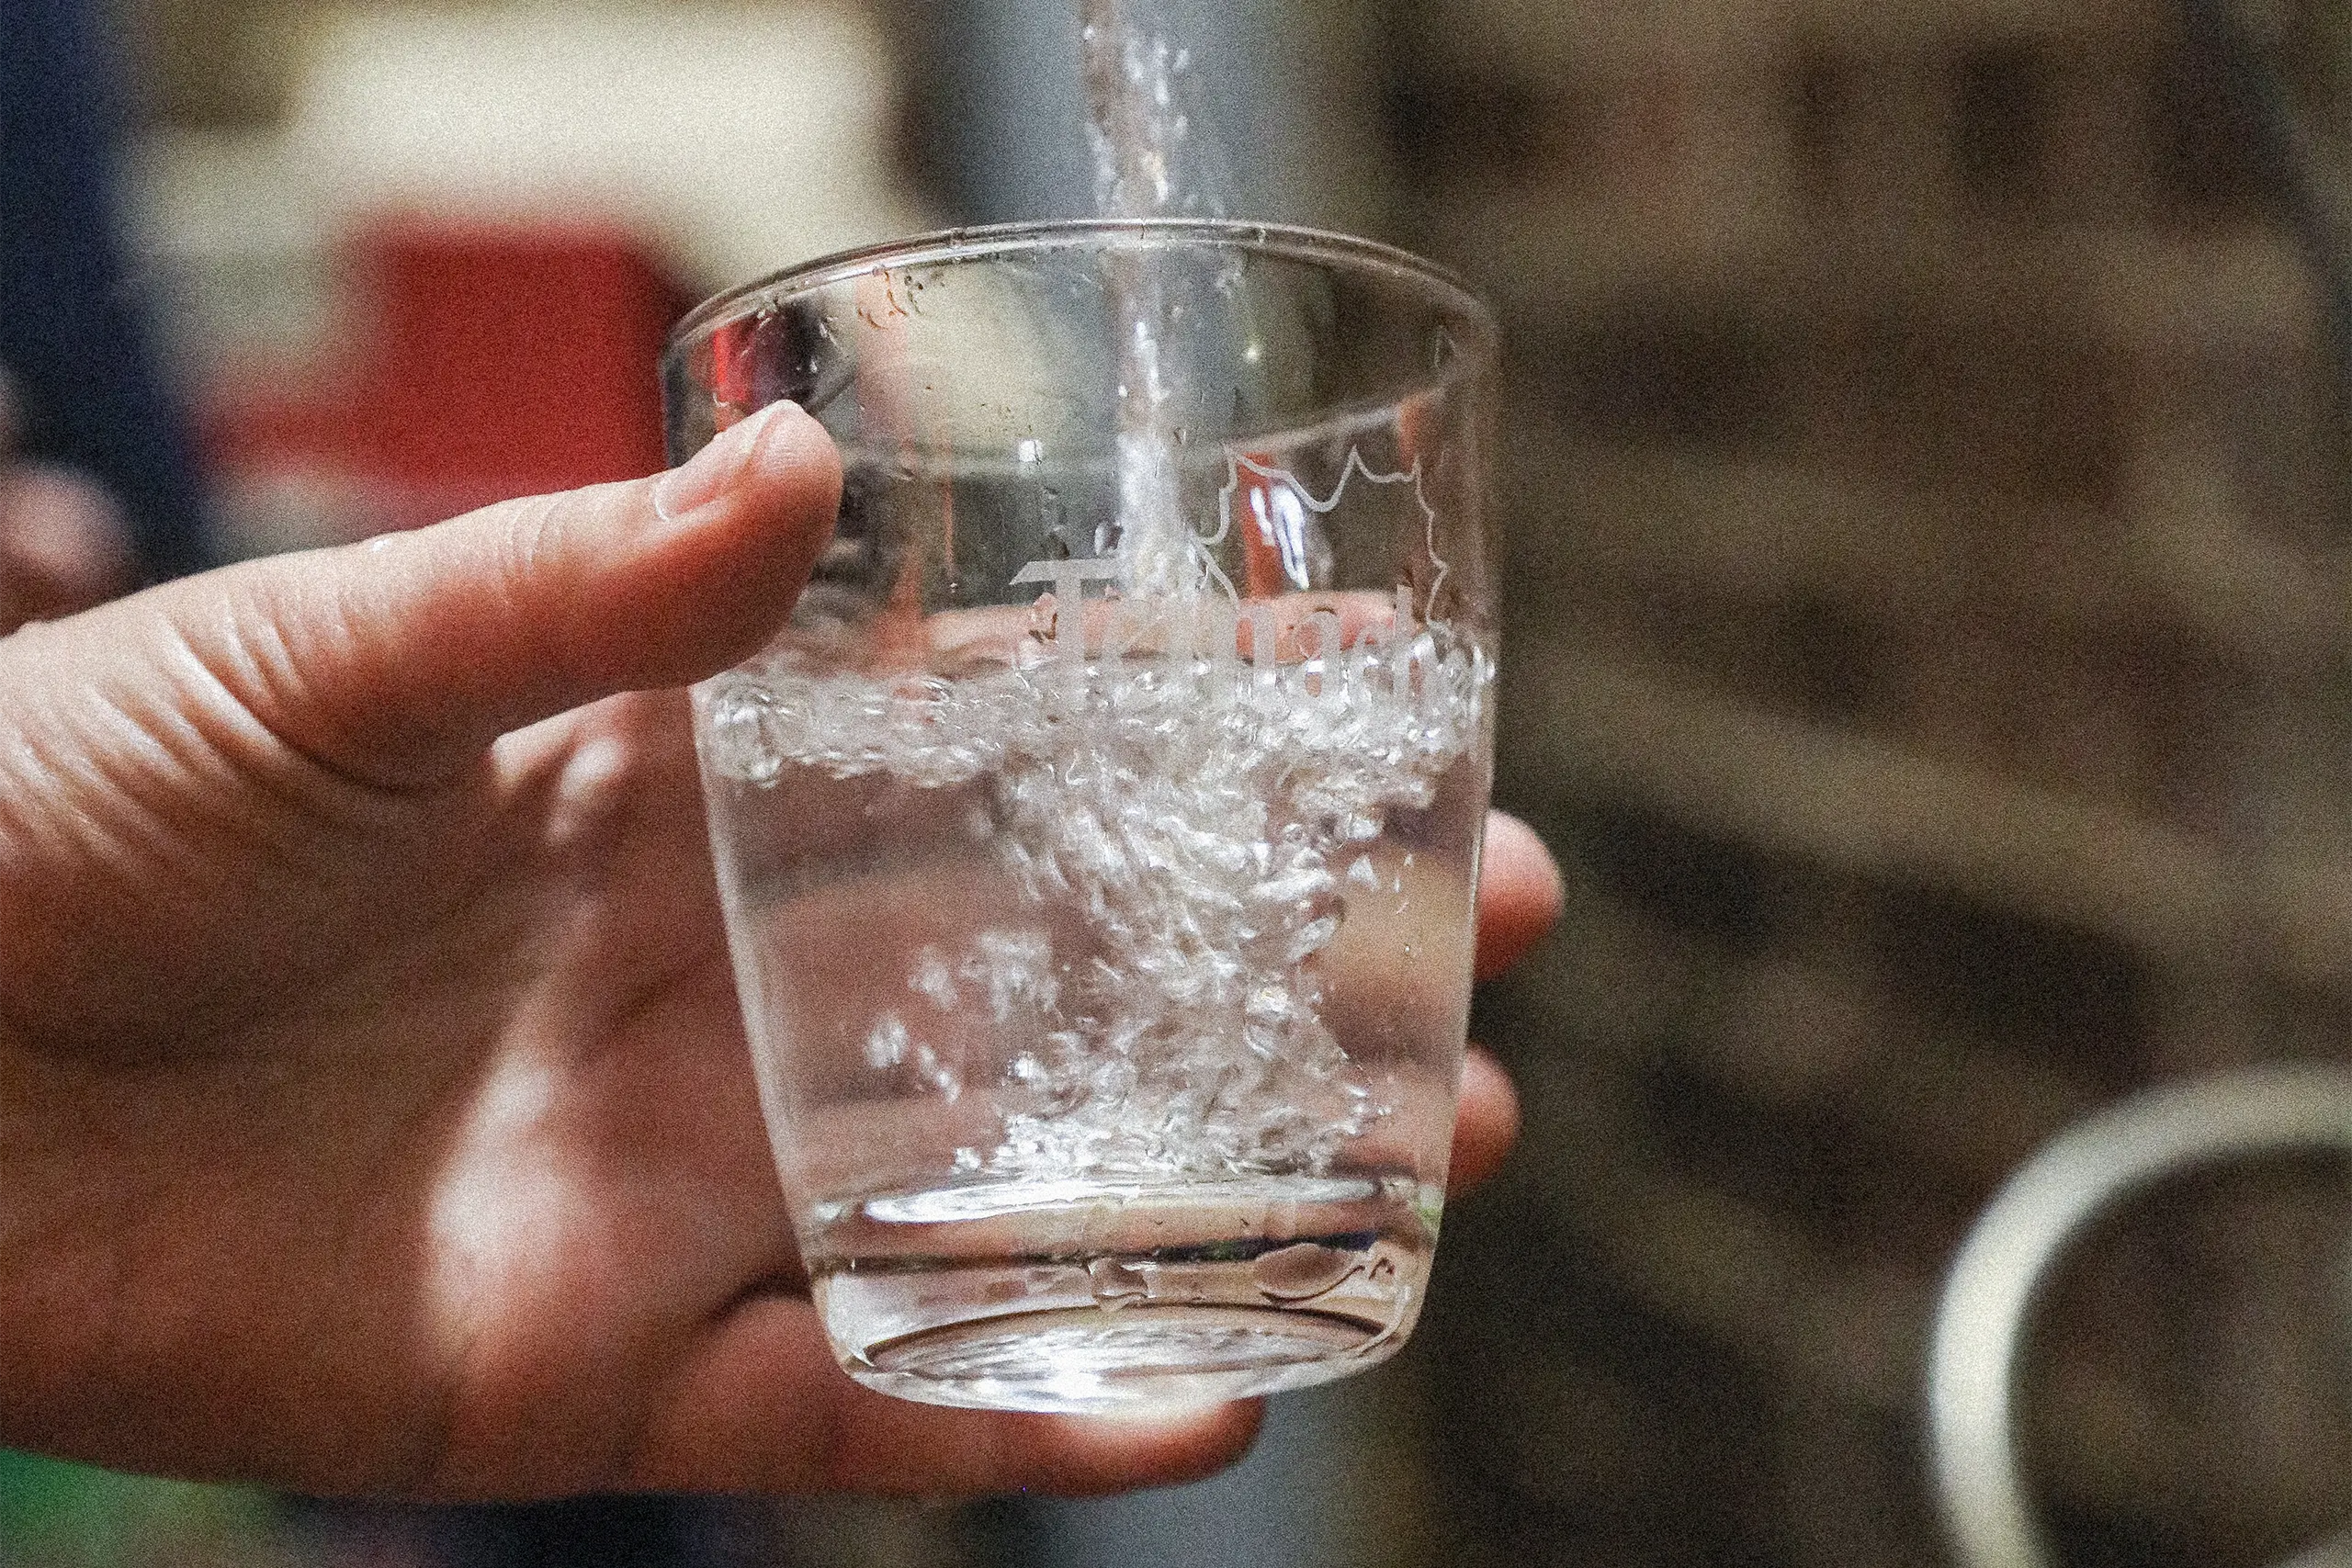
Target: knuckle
530, 546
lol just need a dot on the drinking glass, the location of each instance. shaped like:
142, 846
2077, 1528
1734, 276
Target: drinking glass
1098, 835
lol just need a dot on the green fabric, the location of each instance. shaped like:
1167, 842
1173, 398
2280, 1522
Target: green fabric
75, 1515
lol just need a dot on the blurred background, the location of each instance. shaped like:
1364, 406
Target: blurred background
1929, 651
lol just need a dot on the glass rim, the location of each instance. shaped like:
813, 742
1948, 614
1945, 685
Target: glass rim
965, 245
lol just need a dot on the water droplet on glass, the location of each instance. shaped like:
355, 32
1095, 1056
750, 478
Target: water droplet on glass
1302, 1271
1115, 1284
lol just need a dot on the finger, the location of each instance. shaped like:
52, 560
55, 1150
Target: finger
400, 660
763, 1408
63, 546
1519, 894
1486, 1125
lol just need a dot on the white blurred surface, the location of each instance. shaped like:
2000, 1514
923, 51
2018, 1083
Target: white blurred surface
744, 136
734, 137
737, 138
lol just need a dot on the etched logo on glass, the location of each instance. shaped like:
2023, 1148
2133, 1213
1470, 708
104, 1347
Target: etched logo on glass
1354, 637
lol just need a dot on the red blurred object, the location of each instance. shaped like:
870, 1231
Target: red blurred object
481, 360
1263, 576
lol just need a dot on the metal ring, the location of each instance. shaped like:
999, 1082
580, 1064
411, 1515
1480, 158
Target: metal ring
1998, 1274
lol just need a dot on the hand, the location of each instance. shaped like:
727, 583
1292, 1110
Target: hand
375, 1112
62, 544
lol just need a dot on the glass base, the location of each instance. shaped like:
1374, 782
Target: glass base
1087, 1360
1012, 1297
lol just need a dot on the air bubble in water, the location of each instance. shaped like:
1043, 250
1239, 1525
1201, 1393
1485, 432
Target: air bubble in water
886, 1046
937, 1076
932, 979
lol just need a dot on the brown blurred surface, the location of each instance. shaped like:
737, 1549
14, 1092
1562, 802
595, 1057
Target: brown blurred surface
1926, 648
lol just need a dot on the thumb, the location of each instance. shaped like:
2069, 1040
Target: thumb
400, 660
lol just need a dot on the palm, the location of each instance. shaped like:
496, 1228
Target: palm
530, 1197
599, 1217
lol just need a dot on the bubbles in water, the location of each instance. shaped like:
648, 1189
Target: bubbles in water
1015, 970
891, 1046
885, 1046
937, 1075
1191, 813
932, 979
740, 738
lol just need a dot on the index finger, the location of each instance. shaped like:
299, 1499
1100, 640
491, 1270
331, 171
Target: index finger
1519, 894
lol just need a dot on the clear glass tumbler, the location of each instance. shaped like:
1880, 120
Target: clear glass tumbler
1098, 835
